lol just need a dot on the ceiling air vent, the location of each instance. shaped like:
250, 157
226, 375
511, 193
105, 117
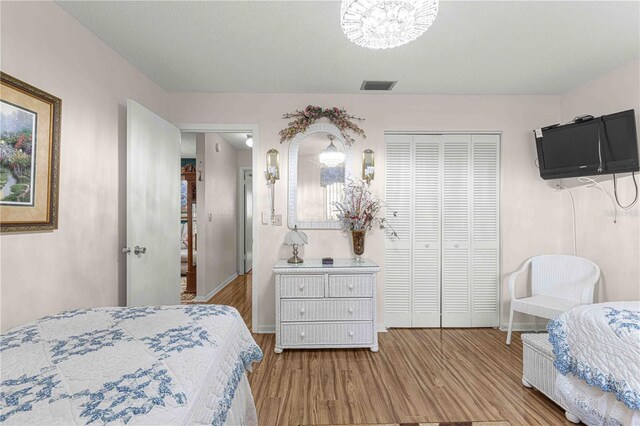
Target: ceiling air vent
377, 85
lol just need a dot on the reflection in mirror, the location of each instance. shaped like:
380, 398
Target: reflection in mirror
321, 175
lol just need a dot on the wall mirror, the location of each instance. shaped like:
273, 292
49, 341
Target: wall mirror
320, 162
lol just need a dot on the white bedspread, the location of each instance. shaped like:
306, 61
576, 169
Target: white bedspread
146, 365
600, 345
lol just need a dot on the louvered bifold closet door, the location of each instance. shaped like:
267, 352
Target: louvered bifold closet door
485, 241
426, 231
397, 264
456, 210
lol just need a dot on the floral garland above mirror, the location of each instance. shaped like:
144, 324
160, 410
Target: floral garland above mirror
338, 116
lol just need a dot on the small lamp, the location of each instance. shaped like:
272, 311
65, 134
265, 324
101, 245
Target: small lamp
295, 238
273, 166
272, 174
368, 165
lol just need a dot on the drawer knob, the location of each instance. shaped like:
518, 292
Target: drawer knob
301, 287
302, 334
427, 245
456, 245
351, 334
350, 310
302, 311
350, 286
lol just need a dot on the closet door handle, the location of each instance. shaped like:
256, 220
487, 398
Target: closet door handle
456, 245
427, 245
301, 287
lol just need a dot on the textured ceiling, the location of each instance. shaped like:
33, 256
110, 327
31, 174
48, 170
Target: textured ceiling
474, 47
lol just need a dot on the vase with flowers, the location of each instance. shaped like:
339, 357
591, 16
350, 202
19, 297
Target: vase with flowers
358, 212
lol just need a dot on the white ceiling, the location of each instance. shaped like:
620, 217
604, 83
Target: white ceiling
474, 47
236, 140
188, 143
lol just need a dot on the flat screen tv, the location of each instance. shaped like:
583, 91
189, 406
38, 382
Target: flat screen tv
602, 145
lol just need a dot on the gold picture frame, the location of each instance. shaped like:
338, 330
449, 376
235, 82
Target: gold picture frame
29, 157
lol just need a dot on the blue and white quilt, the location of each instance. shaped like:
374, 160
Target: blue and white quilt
600, 344
143, 365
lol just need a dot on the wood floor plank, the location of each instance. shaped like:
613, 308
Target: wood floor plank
418, 376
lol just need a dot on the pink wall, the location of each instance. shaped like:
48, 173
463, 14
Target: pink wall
220, 200
80, 264
532, 222
244, 158
615, 247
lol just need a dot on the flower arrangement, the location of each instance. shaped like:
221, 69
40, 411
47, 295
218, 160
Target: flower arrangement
338, 116
360, 209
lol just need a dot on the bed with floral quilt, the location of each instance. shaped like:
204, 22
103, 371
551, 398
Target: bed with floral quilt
141, 365
597, 352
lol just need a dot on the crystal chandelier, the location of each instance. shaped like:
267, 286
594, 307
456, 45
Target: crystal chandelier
382, 24
330, 156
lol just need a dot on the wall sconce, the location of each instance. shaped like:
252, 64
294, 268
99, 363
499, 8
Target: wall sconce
272, 174
368, 165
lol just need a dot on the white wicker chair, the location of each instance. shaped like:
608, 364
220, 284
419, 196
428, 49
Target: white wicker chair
558, 283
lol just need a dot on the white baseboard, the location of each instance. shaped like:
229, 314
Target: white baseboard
216, 290
267, 329
524, 326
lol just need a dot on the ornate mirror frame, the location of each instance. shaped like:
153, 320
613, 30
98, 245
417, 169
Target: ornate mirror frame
292, 219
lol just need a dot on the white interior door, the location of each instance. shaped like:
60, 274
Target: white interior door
153, 208
248, 221
485, 229
456, 212
426, 231
399, 214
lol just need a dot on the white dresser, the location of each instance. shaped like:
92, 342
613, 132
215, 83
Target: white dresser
330, 306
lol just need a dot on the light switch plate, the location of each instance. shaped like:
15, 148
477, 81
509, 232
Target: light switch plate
277, 219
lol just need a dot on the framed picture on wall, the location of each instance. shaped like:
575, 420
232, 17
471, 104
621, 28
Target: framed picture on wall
29, 157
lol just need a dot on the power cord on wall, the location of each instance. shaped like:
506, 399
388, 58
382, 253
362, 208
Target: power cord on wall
615, 192
573, 216
585, 179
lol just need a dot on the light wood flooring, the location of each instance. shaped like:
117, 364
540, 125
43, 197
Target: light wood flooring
418, 376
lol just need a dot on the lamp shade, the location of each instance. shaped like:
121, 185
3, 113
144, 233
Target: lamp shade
296, 237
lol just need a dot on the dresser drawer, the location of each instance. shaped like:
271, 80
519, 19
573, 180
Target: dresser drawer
326, 310
305, 286
311, 334
350, 286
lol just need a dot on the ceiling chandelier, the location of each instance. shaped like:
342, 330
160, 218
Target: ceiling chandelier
383, 24
330, 156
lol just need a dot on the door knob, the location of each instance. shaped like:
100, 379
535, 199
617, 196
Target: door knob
456, 245
137, 250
